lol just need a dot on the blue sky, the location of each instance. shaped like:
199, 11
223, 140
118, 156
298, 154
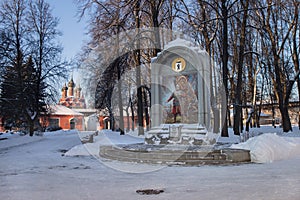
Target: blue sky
74, 32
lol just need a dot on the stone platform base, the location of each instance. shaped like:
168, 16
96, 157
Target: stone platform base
175, 154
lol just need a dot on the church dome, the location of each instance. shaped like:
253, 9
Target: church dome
64, 88
71, 83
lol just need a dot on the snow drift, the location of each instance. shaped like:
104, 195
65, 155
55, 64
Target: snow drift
106, 137
269, 147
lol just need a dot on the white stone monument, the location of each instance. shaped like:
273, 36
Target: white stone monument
180, 94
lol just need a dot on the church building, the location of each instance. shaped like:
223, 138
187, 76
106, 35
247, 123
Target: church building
63, 114
71, 112
71, 96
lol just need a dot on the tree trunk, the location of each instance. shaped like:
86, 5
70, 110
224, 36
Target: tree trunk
31, 126
224, 132
132, 114
120, 102
283, 99
286, 122
121, 120
283, 85
138, 73
273, 116
295, 53
238, 103
213, 90
155, 22
147, 118
111, 120
128, 119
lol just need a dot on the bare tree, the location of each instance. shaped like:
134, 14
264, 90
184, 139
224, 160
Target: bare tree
108, 22
294, 46
111, 18
241, 23
44, 48
42, 28
204, 26
241, 36
278, 21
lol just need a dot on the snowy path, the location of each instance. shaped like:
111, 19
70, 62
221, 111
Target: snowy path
37, 171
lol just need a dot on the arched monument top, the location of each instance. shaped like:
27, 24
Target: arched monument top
195, 56
179, 42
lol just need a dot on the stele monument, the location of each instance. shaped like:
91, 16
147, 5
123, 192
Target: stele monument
180, 94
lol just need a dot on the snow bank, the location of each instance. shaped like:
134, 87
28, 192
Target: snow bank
106, 137
87, 149
61, 132
269, 147
14, 140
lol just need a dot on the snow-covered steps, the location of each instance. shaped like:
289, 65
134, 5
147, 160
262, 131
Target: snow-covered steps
175, 154
193, 134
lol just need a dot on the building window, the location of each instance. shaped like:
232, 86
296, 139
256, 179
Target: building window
54, 122
73, 123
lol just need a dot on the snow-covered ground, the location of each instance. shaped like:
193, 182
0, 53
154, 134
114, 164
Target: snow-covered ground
58, 166
266, 144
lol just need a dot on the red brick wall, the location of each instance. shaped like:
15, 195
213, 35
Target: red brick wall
64, 121
102, 123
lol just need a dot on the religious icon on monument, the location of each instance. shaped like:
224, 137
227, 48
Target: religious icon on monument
184, 106
178, 64
176, 105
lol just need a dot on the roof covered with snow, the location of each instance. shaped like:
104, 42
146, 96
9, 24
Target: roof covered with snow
179, 42
63, 110
85, 110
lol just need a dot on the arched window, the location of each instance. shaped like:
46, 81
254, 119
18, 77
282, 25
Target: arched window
72, 123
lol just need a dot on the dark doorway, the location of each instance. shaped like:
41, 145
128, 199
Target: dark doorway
72, 123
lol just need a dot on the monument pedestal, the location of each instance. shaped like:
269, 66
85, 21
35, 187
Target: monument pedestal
187, 134
175, 154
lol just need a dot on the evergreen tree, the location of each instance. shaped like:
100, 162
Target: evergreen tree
30, 62
8, 97
34, 95
20, 100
